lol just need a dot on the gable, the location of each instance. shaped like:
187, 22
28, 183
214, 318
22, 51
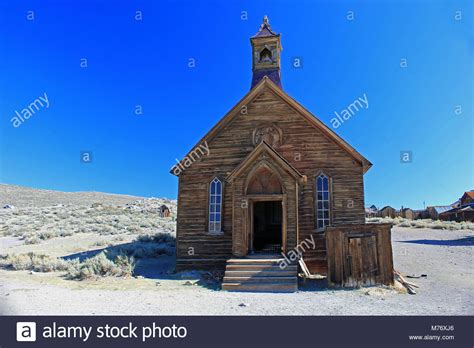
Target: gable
266, 92
274, 155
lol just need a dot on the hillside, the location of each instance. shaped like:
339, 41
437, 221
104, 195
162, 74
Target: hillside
20, 196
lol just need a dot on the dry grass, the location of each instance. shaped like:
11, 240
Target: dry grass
101, 265
35, 225
424, 223
34, 262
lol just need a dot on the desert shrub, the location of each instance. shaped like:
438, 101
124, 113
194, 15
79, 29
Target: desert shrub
33, 239
65, 233
34, 262
48, 234
437, 226
101, 266
147, 250
160, 237
119, 238
100, 243
133, 229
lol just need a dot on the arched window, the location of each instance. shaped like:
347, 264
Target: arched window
265, 55
322, 201
215, 205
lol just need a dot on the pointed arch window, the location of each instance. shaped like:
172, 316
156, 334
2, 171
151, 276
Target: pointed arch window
265, 55
215, 205
322, 201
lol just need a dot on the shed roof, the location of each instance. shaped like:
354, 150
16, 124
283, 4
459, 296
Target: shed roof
387, 207
440, 208
463, 208
469, 194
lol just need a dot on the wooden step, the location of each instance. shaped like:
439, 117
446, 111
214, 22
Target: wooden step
259, 275
254, 273
257, 287
255, 261
260, 268
267, 279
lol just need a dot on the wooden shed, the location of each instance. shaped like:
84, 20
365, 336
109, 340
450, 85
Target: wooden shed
407, 213
387, 211
164, 211
434, 211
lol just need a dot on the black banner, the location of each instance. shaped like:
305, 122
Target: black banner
217, 331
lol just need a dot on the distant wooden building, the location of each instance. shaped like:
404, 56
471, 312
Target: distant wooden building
387, 211
434, 211
164, 211
464, 211
274, 177
407, 213
467, 197
371, 211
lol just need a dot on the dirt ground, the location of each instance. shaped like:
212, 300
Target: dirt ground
444, 256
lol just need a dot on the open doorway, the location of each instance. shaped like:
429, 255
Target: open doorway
267, 227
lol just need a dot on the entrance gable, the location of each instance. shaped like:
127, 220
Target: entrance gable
248, 187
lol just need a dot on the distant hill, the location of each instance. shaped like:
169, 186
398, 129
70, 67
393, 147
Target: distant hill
20, 196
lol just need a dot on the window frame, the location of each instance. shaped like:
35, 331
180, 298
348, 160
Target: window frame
220, 204
322, 201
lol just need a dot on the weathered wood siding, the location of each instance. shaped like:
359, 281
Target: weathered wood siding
304, 146
359, 255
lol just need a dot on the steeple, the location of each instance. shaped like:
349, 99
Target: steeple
266, 49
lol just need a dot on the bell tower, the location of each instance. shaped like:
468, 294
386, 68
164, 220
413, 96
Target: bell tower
266, 49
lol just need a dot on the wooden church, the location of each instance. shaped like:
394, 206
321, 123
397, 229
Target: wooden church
276, 182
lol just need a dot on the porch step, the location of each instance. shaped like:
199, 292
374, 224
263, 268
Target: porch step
257, 287
239, 272
260, 275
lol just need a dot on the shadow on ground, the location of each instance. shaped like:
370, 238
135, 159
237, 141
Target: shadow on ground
465, 241
157, 267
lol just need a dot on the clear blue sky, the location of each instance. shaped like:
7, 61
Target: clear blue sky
145, 63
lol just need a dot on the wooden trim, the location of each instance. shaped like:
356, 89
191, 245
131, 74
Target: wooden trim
313, 120
269, 197
252, 156
257, 166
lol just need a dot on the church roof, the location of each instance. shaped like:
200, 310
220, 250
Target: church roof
313, 120
273, 74
265, 29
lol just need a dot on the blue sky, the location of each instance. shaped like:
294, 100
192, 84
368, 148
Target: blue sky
425, 107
